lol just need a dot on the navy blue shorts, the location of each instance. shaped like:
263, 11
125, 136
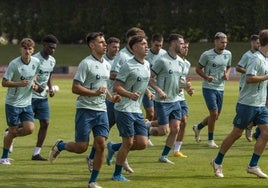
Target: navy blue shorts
87, 120
130, 124
184, 108
40, 109
147, 103
110, 112
16, 115
167, 111
213, 98
246, 114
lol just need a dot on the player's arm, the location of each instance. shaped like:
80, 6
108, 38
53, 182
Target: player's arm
240, 69
200, 71
50, 88
255, 79
149, 94
114, 98
119, 89
78, 89
152, 83
226, 74
9, 83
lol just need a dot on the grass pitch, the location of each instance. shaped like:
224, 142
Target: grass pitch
70, 170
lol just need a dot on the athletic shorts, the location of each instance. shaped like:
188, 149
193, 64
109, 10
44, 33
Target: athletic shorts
110, 112
130, 124
16, 115
167, 111
184, 108
87, 120
246, 114
213, 98
147, 103
40, 109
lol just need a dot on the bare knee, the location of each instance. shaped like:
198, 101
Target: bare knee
140, 142
159, 131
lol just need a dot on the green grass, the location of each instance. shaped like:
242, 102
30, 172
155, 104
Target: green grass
72, 54
70, 170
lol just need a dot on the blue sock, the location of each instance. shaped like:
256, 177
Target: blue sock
5, 153
219, 158
166, 151
116, 147
210, 136
200, 126
254, 160
92, 153
61, 146
117, 170
94, 175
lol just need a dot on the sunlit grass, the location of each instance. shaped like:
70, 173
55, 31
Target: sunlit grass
70, 170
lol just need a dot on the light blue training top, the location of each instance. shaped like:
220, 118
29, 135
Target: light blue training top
92, 74
17, 71
45, 69
168, 72
215, 65
244, 61
135, 77
254, 94
185, 64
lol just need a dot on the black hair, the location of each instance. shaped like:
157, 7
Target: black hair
157, 37
91, 36
50, 39
173, 37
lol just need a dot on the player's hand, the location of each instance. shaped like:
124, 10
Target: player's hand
101, 90
210, 78
24, 83
116, 98
225, 76
135, 95
150, 95
162, 95
190, 91
37, 88
51, 93
188, 83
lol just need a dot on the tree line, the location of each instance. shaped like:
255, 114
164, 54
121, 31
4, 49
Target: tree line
71, 20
